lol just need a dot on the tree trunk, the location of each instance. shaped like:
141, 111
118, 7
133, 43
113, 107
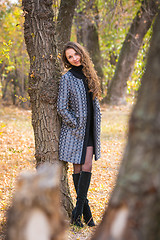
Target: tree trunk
140, 25
2, 70
14, 86
134, 208
94, 50
64, 22
35, 213
39, 32
87, 34
4, 89
22, 76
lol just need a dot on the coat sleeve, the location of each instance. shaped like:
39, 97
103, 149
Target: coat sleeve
62, 103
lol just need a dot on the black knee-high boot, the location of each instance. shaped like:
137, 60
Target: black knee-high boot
83, 185
75, 181
87, 215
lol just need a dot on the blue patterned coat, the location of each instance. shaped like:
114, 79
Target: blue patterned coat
72, 107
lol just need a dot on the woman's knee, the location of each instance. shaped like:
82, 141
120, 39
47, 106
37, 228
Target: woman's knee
87, 167
77, 168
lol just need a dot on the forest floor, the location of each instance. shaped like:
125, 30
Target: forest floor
17, 155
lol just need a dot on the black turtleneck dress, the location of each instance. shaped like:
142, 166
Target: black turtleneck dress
89, 137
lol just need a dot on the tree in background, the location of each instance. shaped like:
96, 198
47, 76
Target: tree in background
87, 21
13, 60
64, 22
114, 20
116, 93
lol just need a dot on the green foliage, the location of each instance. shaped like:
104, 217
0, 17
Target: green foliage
55, 6
11, 28
4, 53
139, 68
13, 55
22, 99
115, 20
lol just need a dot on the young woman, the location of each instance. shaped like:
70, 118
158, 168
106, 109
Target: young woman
79, 109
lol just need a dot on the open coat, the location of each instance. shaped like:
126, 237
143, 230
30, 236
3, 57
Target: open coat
72, 107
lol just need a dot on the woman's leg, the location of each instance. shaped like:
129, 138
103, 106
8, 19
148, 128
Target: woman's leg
83, 185
87, 166
77, 168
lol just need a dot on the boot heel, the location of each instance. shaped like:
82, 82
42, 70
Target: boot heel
87, 215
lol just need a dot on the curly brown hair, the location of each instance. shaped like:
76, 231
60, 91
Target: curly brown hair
88, 68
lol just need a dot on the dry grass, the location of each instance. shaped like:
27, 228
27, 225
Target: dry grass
17, 154
17, 150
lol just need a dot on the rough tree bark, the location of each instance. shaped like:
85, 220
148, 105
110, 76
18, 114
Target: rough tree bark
64, 22
87, 34
139, 27
39, 33
134, 208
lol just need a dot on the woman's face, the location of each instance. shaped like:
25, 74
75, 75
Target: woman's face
73, 57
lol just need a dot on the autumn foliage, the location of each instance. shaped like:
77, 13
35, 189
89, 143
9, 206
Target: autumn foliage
17, 155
